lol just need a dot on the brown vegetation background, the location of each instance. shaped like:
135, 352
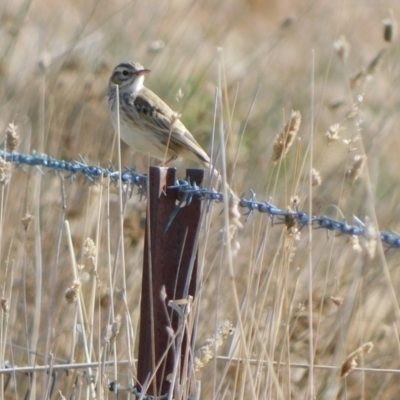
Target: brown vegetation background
55, 61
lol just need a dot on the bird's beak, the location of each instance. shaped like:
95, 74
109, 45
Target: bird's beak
143, 72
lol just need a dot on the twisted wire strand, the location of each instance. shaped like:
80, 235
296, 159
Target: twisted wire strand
188, 190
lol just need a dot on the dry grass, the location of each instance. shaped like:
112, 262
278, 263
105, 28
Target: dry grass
54, 66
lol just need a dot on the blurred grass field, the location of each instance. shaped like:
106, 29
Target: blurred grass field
272, 57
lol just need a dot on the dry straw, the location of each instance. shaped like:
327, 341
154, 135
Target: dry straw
285, 138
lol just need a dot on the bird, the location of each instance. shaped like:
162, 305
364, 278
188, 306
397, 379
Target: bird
147, 123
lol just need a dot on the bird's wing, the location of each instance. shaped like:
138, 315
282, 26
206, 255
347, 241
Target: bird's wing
157, 117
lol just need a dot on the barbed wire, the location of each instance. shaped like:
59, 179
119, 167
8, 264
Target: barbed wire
91, 172
188, 190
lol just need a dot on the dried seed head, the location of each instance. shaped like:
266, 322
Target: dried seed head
234, 224
234, 213
106, 335
338, 300
12, 137
290, 219
355, 243
353, 111
285, 138
342, 48
156, 46
71, 294
332, 133
179, 95
357, 80
316, 177
389, 28
26, 221
5, 171
115, 328
204, 354
351, 361
357, 168
5, 305
89, 251
295, 201
370, 236
292, 234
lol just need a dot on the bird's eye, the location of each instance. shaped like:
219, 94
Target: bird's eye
125, 72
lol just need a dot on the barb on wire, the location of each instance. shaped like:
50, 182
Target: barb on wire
188, 190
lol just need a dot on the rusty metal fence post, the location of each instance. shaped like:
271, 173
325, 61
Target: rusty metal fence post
169, 266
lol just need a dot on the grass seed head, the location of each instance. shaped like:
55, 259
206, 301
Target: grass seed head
357, 168
5, 171
285, 138
12, 137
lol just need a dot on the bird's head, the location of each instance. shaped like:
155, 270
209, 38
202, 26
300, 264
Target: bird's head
129, 74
